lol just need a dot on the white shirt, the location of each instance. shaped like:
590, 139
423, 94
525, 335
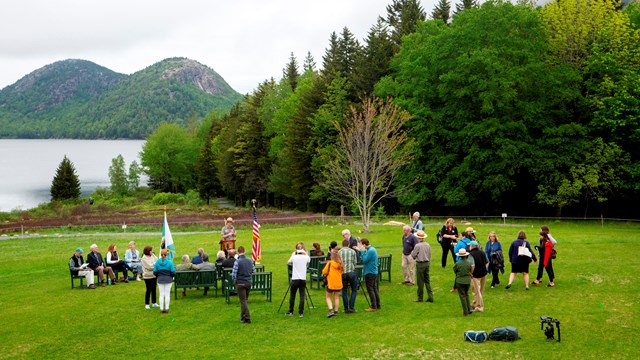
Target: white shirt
299, 262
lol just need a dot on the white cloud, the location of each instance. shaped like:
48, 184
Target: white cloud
245, 41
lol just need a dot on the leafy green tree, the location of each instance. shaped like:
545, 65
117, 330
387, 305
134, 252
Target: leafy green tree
65, 184
403, 17
133, 178
373, 148
290, 72
484, 106
442, 11
118, 176
168, 157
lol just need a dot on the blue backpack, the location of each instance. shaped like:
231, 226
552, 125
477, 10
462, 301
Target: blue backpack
475, 336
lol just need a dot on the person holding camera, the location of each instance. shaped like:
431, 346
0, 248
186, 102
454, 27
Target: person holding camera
299, 262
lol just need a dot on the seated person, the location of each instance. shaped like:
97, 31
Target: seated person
115, 263
220, 257
97, 265
230, 260
206, 265
132, 258
79, 267
186, 265
198, 258
333, 246
316, 250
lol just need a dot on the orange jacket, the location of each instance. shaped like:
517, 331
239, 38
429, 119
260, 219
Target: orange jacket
334, 275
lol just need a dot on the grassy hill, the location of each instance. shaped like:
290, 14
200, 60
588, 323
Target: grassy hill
80, 99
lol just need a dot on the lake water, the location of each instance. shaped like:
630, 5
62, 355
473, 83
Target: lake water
28, 167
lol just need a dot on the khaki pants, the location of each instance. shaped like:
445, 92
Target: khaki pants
88, 274
477, 287
407, 267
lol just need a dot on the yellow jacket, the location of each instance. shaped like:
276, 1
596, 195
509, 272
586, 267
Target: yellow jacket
334, 275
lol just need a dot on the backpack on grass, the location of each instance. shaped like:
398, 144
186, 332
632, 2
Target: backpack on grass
507, 333
475, 336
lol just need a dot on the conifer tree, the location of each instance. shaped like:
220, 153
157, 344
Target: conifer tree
442, 11
373, 62
65, 184
290, 72
403, 17
464, 5
309, 63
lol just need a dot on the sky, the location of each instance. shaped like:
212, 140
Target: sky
245, 41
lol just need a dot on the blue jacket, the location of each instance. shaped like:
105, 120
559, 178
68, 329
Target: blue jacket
462, 244
369, 261
491, 248
164, 270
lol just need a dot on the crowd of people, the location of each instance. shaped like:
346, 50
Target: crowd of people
471, 267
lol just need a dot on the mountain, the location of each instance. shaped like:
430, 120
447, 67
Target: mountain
80, 99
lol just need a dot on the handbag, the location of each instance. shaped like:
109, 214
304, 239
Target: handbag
439, 236
523, 250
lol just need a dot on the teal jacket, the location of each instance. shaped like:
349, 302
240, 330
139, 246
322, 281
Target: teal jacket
369, 261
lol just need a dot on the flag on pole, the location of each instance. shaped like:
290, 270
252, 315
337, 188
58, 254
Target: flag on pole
167, 239
255, 249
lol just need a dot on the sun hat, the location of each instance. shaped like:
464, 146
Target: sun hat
79, 250
421, 234
229, 219
469, 230
462, 252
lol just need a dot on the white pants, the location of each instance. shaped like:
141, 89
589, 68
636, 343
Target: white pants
165, 295
88, 274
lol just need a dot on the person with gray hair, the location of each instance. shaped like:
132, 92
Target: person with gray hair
417, 223
132, 258
186, 265
97, 265
198, 258
409, 242
205, 265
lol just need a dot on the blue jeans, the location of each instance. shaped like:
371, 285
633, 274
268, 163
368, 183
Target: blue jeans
352, 279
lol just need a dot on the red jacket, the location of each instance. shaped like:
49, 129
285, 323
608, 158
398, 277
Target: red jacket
548, 246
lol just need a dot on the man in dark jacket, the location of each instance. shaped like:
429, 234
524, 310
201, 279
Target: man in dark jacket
241, 275
97, 264
479, 276
77, 267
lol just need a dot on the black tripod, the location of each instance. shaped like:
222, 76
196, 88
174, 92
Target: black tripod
308, 299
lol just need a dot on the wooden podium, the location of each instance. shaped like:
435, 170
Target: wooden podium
225, 245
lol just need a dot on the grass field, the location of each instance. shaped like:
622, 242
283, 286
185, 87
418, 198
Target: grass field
596, 298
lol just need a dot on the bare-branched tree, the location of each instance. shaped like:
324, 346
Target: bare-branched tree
373, 148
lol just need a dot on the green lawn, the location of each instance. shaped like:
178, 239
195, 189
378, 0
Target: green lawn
596, 299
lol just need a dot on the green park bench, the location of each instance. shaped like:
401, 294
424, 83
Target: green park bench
195, 279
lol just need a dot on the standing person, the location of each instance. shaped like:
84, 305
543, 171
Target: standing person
417, 223
299, 262
478, 276
545, 228
228, 231
164, 270
349, 277
346, 235
409, 241
333, 271
241, 275
493, 250
449, 234
97, 265
132, 258
463, 270
462, 244
370, 272
422, 255
78, 267
115, 263
544, 251
520, 263
149, 260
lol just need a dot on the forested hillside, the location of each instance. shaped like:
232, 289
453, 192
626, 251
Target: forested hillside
514, 109
79, 99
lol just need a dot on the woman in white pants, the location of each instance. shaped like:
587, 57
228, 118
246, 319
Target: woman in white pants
164, 270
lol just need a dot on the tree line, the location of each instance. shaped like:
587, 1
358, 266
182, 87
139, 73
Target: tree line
512, 108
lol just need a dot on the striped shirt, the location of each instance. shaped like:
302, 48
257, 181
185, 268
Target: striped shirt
349, 259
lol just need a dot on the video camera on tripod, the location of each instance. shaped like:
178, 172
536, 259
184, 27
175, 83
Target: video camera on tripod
548, 330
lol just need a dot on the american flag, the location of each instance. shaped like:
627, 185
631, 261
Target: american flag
255, 249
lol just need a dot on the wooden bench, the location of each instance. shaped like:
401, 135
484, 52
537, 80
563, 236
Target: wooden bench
316, 264
81, 278
260, 281
384, 266
195, 279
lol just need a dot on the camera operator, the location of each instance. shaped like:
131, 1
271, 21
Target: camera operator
299, 262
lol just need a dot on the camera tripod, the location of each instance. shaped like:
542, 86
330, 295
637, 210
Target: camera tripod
307, 297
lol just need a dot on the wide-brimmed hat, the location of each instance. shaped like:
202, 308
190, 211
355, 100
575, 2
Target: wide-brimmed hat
469, 230
462, 252
229, 219
421, 234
